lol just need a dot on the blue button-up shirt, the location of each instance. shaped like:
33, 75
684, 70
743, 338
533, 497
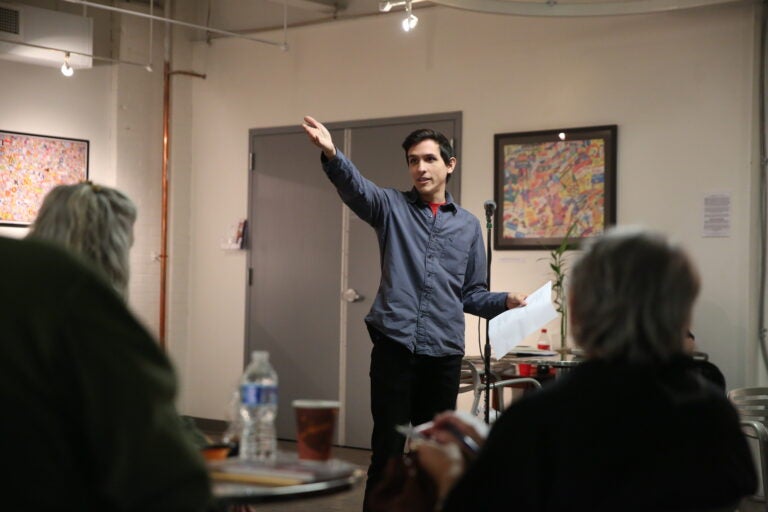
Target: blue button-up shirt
433, 267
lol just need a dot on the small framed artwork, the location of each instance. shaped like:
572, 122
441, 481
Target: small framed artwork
553, 183
30, 166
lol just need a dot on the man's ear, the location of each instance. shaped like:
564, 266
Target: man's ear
452, 164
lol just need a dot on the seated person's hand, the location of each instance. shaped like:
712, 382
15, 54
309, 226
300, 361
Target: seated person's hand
446, 447
443, 462
462, 430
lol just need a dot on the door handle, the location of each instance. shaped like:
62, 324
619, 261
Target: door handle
351, 295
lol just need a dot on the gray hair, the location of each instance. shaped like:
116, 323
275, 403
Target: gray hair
632, 295
93, 221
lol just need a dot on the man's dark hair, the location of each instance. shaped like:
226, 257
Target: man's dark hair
422, 134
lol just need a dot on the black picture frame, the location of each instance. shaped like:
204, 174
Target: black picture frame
30, 166
547, 180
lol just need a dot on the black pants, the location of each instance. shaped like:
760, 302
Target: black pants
405, 388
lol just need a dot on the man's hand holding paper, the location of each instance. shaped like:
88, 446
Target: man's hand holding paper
508, 329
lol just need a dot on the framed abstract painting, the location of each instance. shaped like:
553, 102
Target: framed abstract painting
30, 166
554, 182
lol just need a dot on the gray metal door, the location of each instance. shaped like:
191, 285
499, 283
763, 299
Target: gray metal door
307, 249
294, 240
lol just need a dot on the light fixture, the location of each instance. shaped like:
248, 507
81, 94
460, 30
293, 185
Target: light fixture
66, 69
410, 21
561, 135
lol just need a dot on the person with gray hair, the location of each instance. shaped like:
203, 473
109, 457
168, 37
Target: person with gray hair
634, 427
635, 298
93, 221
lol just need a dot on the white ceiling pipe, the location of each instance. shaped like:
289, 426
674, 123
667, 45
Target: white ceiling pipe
552, 8
283, 46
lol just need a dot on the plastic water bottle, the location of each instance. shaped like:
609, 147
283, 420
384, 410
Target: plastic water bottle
543, 343
258, 408
231, 435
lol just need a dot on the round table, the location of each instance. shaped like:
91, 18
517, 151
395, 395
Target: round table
544, 367
236, 482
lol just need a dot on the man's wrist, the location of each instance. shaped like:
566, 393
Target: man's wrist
330, 154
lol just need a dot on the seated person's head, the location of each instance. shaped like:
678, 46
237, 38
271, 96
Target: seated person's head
631, 297
93, 221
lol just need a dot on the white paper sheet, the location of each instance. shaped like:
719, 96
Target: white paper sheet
508, 329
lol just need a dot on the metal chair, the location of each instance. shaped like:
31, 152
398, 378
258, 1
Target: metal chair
752, 406
700, 356
473, 381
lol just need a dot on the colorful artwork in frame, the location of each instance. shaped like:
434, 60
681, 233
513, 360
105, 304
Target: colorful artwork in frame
30, 166
547, 181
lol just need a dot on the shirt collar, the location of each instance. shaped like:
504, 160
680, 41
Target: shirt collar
414, 198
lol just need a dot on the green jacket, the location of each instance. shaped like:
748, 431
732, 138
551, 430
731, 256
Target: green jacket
86, 394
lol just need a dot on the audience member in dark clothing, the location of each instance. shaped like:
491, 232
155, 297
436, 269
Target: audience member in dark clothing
96, 222
89, 422
634, 428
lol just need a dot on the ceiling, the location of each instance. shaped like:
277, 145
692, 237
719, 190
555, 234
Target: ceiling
249, 17
258, 15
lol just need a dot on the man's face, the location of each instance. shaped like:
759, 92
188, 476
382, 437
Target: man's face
428, 170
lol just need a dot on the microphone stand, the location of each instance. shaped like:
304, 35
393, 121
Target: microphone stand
487, 352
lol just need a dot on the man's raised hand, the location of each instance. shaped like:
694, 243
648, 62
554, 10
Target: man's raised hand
320, 136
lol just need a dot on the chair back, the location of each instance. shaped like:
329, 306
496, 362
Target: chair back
752, 406
472, 380
751, 403
700, 356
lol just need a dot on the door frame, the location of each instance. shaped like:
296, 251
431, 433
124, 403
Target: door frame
346, 127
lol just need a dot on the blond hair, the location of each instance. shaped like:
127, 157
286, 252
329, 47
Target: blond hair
93, 221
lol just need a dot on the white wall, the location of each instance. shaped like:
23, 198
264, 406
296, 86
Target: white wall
118, 108
139, 156
42, 101
679, 85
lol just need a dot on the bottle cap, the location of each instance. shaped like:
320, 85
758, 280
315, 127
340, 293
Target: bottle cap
259, 354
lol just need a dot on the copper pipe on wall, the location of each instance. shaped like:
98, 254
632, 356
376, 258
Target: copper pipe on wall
167, 73
164, 205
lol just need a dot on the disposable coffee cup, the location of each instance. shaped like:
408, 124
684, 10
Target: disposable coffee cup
315, 424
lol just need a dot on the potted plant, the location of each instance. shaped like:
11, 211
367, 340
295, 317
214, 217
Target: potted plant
557, 263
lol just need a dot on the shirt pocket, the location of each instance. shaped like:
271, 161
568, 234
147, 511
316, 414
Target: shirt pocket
455, 255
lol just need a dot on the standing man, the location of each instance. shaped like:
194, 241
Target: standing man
433, 269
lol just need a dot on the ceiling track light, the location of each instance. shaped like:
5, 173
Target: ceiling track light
410, 21
66, 69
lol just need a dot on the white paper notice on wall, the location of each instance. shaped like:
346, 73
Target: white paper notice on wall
716, 217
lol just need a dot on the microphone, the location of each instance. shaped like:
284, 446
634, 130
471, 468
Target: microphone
490, 207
